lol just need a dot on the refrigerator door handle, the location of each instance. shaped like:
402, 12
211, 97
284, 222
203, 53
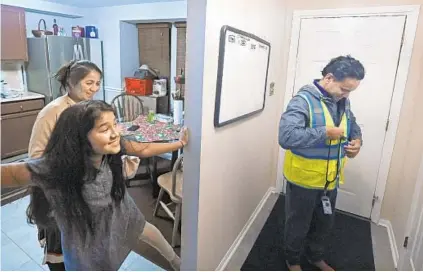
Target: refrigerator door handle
85, 54
81, 54
77, 52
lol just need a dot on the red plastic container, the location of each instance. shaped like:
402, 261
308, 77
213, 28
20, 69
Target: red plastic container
138, 86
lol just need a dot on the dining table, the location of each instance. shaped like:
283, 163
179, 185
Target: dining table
152, 131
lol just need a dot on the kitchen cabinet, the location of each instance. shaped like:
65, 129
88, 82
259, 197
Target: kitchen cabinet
13, 34
16, 120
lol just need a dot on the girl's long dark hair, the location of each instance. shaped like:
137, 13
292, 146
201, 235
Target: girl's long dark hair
68, 167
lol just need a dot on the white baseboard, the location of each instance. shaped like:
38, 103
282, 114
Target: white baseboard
394, 247
229, 254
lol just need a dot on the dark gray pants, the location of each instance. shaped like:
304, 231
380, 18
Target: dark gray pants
306, 226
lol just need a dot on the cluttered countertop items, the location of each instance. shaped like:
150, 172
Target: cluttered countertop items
19, 96
9, 95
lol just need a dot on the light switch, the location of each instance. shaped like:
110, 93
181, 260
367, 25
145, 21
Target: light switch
272, 89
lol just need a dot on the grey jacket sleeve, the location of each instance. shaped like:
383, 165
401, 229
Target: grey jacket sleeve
293, 127
355, 132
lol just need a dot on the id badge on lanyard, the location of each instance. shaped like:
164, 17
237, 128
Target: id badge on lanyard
327, 206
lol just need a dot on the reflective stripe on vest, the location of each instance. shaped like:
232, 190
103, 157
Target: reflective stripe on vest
307, 167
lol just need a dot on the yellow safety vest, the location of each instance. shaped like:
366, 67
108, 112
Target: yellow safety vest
307, 167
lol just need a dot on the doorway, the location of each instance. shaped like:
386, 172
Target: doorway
382, 40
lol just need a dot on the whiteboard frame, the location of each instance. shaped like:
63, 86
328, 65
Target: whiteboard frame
220, 69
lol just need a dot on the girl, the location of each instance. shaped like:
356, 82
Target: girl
80, 81
81, 188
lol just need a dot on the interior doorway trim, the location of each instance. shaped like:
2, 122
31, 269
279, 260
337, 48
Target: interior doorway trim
412, 218
412, 14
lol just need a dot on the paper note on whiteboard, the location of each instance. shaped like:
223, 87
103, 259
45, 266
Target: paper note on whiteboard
241, 77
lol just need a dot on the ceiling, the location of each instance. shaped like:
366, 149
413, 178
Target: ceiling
104, 3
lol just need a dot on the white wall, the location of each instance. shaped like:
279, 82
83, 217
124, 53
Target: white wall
11, 73
129, 49
234, 166
195, 45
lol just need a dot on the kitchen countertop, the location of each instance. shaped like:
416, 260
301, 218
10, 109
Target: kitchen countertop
22, 97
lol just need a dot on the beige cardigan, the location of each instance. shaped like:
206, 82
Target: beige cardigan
44, 125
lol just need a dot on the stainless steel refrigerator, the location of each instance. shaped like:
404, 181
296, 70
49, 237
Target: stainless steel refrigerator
47, 54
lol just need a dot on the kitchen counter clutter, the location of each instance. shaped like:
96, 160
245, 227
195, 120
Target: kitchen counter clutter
14, 96
18, 115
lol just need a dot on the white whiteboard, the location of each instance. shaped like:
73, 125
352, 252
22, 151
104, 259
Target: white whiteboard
241, 75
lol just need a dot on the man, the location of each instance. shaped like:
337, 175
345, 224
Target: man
317, 130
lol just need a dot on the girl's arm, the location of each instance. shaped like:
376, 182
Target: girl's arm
144, 150
15, 174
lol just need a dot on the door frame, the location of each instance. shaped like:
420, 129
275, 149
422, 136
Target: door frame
413, 214
412, 13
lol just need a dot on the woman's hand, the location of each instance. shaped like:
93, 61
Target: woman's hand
183, 136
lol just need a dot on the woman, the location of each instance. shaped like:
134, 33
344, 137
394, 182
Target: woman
81, 187
80, 80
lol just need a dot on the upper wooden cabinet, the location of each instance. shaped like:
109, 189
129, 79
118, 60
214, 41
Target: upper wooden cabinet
13, 34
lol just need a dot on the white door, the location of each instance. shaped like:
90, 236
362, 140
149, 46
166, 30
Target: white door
411, 256
376, 42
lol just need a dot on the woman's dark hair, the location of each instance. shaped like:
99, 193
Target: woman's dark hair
344, 67
67, 166
70, 74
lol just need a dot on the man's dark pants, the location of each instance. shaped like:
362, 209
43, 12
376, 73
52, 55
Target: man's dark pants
306, 226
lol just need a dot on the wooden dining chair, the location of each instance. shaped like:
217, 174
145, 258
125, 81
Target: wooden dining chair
128, 107
171, 183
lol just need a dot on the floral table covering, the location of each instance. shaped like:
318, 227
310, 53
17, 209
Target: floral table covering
150, 132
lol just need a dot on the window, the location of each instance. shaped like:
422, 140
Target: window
154, 46
181, 49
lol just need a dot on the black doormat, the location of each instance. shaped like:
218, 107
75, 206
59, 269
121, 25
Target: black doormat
349, 246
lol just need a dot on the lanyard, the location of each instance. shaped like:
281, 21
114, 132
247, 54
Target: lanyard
338, 164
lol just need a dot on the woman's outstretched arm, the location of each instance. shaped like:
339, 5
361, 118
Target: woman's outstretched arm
15, 174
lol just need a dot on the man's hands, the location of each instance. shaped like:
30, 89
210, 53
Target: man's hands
334, 133
353, 148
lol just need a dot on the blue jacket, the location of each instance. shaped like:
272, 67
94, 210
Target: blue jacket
293, 127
